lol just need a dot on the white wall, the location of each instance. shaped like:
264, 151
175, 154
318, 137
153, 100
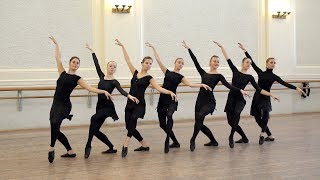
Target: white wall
163, 23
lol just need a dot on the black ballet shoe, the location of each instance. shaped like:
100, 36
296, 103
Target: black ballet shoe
261, 140
142, 149
67, 155
50, 156
215, 143
109, 151
269, 139
124, 151
87, 151
192, 145
174, 145
166, 146
70, 117
242, 140
231, 143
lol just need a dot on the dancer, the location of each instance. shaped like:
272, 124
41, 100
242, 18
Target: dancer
61, 105
261, 104
166, 107
236, 102
206, 102
105, 107
139, 83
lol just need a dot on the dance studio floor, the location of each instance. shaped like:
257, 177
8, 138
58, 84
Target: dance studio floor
295, 154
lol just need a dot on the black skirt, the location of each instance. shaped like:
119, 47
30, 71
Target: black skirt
60, 110
259, 103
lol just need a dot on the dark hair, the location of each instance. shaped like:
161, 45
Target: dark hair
270, 58
147, 57
214, 56
177, 60
245, 58
73, 57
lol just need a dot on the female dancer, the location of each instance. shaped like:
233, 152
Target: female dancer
261, 104
105, 107
236, 102
61, 105
206, 102
166, 106
139, 83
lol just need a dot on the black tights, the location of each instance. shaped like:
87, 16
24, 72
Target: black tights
199, 126
96, 122
56, 134
166, 123
131, 124
234, 118
262, 120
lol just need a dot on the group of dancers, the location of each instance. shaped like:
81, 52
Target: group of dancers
167, 104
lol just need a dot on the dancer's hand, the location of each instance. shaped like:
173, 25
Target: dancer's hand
206, 87
53, 40
275, 98
301, 91
134, 99
89, 47
184, 44
218, 44
149, 45
118, 43
173, 96
245, 93
242, 47
108, 95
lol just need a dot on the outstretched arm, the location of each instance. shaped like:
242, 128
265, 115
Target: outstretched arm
96, 61
225, 54
58, 55
188, 83
162, 90
86, 86
156, 55
126, 56
194, 59
255, 67
279, 80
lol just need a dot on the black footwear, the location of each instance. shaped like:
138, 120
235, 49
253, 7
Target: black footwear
261, 140
166, 146
242, 141
124, 151
192, 145
174, 145
269, 139
231, 143
212, 143
67, 155
109, 151
51, 156
87, 151
142, 149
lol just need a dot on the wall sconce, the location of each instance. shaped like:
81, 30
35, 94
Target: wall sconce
281, 16
121, 10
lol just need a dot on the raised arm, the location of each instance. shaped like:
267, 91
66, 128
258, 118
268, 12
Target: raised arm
225, 54
162, 90
279, 80
86, 86
126, 57
96, 61
188, 83
194, 59
156, 55
255, 67
58, 55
